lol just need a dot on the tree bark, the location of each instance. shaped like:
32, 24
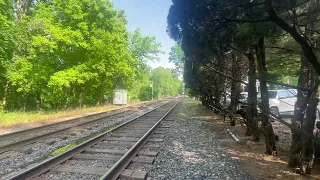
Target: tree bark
5, 94
300, 106
252, 100
38, 99
235, 89
264, 105
307, 152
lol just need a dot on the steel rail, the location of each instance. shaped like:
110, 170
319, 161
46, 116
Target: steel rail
27, 141
70, 120
58, 159
24, 142
114, 172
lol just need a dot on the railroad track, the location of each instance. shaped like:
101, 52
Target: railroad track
107, 155
13, 141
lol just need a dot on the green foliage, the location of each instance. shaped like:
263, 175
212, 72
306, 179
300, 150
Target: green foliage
59, 54
6, 38
176, 56
165, 83
144, 48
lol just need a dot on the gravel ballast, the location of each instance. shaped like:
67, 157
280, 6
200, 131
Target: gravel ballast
191, 150
14, 162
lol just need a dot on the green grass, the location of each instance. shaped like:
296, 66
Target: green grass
192, 108
9, 119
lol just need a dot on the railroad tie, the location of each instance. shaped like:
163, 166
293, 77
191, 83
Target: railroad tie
152, 146
160, 132
110, 151
123, 144
155, 140
128, 139
133, 174
142, 159
77, 169
158, 135
97, 157
148, 153
138, 135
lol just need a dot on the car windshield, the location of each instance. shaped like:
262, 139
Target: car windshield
272, 94
292, 92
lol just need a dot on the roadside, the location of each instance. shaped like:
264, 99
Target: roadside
17, 121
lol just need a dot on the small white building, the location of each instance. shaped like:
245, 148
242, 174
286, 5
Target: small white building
120, 97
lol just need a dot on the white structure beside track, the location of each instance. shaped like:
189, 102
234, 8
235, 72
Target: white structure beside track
120, 97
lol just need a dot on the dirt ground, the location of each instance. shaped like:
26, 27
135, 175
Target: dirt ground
251, 153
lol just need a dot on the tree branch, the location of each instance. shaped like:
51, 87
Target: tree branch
307, 49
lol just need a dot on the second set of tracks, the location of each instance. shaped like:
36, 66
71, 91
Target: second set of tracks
18, 139
107, 155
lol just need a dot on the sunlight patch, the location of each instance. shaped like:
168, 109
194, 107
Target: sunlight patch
190, 157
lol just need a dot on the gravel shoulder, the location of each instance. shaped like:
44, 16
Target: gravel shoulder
251, 153
192, 150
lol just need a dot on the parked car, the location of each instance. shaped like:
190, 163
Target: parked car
282, 101
243, 99
242, 106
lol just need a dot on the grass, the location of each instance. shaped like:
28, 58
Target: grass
9, 119
192, 108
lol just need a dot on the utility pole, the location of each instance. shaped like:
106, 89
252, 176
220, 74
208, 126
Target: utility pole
151, 85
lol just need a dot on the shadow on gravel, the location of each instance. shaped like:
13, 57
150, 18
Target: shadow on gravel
251, 153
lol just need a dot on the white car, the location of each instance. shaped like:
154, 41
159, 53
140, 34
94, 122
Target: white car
282, 101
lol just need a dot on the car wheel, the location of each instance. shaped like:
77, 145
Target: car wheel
275, 112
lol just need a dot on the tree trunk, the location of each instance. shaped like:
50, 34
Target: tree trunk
300, 106
5, 94
307, 152
38, 101
235, 90
264, 105
252, 100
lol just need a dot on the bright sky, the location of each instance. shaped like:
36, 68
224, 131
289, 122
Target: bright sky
151, 17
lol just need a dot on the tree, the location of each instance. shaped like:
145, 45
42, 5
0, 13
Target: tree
144, 49
210, 30
6, 47
176, 56
165, 83
69, 54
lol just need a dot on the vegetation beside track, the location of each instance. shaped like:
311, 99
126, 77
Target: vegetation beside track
9, 119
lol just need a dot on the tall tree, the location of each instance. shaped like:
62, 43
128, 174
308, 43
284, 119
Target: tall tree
6, 46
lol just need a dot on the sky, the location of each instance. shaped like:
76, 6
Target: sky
151, 17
